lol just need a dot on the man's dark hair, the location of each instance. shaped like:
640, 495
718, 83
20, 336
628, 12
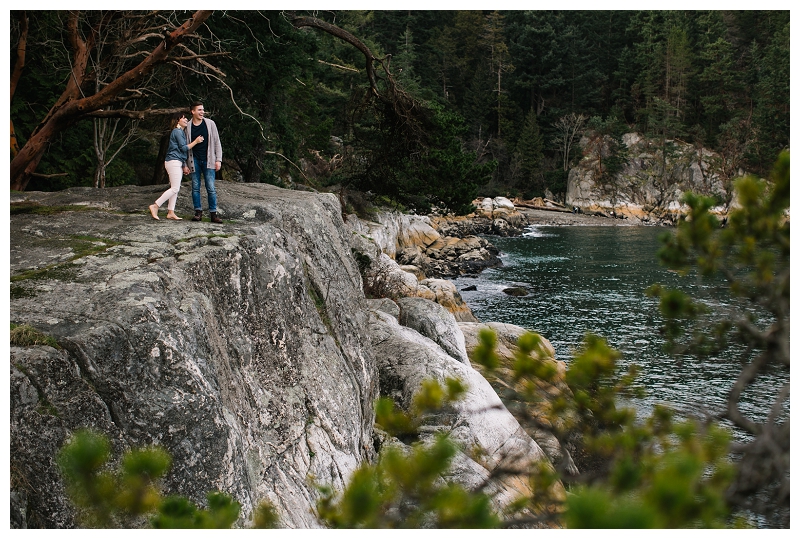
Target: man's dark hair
195, 104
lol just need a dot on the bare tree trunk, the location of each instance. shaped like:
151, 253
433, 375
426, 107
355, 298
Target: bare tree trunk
160, 173
22, 45
568, 128
100, 175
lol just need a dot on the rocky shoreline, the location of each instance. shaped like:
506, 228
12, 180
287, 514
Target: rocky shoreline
253, 351
551, 218
248, 350
444, 247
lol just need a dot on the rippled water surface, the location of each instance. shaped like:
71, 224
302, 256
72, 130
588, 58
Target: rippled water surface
592, 279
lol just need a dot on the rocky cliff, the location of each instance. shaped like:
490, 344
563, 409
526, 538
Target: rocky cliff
248, 350
650, 184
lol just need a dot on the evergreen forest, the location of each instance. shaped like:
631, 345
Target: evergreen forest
442, 106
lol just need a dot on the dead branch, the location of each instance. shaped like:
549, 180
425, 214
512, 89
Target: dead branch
338, 66
40, 175
134, 114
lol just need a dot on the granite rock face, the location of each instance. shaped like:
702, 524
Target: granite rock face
489, 435
435, 322
415, 240
247, 350
649, 186
240, 348
528, 412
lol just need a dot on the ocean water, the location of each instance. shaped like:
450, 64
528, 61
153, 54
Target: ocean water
592, 279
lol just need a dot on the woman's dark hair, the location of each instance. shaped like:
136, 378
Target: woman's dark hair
173, 120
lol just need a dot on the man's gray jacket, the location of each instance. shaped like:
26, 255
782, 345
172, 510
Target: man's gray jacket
214, 146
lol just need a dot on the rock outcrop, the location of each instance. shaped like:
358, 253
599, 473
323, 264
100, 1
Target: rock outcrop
247, 350
412, 240
650, 185
242, 348
495, 216
530, 414
479, 421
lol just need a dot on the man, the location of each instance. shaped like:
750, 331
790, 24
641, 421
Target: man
205, 158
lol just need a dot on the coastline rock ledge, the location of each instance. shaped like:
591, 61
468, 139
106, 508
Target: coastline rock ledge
247, 350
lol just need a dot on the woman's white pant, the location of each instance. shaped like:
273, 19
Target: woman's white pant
175, 172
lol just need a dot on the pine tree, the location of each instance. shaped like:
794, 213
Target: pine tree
530, 155
771, 112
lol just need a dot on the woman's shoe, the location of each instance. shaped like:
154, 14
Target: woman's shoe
174, 217
154, 211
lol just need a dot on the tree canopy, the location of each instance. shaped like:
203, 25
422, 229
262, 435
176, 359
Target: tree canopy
370, 99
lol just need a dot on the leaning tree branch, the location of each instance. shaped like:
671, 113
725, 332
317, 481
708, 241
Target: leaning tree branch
73, 106
405, 111
134, 114
344, 35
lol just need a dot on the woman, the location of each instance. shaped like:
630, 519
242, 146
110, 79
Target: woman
177, 154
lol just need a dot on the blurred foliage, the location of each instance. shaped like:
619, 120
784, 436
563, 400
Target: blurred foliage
661, 473
749, 256
404, 488
119, 498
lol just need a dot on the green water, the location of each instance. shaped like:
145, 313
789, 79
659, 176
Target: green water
592, 279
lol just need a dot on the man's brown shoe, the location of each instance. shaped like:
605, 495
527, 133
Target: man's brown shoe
214, 218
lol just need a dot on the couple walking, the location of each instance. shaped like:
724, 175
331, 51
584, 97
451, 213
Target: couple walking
201, 156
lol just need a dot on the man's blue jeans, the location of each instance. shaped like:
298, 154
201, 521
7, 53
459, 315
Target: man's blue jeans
200, 167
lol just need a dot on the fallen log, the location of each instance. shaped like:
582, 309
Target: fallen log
545, 208
558, 204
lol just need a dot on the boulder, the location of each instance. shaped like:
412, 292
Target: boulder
488, 434
500, 227
417, 233
507, 336
502, 203
410, 256
517, 291
386, 278
435, 322
485, 207
413, 270
530, 413
385, 305
446, 294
